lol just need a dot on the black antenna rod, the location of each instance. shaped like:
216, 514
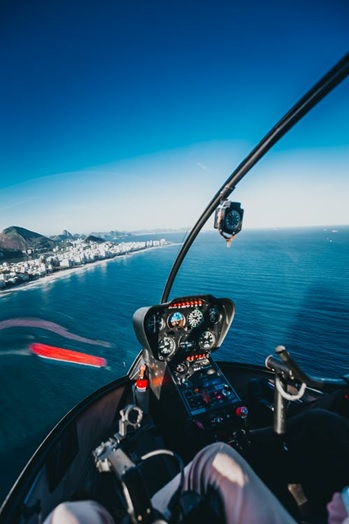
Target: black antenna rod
338, 73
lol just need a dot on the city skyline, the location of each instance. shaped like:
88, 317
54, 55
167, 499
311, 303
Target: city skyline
131, 117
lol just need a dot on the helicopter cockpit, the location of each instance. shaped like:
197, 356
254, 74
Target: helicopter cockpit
179, 338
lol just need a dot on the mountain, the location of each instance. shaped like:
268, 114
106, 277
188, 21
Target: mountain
113, 236
66, 236
93, 238
15, 240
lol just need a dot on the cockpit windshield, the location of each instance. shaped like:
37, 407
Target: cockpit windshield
82, 248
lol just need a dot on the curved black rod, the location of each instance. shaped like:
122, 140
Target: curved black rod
301, 108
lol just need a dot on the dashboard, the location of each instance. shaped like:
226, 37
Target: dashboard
187, 327
178, 338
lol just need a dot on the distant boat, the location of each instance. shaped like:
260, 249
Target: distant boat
67, 355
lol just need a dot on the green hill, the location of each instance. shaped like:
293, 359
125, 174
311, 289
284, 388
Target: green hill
15, 241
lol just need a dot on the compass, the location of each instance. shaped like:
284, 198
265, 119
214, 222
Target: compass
232, 221
228, 218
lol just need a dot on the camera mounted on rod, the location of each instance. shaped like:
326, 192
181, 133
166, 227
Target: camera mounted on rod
228, 220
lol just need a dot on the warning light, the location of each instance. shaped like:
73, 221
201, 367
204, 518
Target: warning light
241, 411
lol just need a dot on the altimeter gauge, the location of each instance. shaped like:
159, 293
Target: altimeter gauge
207, 340
195, 318
166, 348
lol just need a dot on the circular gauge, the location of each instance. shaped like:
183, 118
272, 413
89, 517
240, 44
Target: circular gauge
155, 324
166, 348
195, 318
176, 320
232, 220
214, 315
181, 367
186, 345
207, 340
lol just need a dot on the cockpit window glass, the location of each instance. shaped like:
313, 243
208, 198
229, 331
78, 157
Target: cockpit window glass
287, 269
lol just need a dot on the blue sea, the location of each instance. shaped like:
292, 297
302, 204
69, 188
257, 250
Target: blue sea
290, 287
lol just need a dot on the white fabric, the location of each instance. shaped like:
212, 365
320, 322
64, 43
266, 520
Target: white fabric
245, 497
81, 512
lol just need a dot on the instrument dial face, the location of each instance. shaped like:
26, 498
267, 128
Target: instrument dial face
214, 315
176, 320
195, 318
181, 367
155, 324
187, 345
166, 348
207, 340
232, 219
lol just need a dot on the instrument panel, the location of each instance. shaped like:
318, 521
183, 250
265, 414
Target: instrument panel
188, 327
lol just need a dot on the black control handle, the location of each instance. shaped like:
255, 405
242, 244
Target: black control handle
290, 369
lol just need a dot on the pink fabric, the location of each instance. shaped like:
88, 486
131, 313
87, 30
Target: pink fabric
81, 512
337, 513
245, 497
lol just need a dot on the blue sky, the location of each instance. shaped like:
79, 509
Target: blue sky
111, 112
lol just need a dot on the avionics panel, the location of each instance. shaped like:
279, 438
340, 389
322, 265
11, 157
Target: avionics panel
205, 392
184, 327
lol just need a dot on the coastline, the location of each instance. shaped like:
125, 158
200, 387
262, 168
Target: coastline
64, 273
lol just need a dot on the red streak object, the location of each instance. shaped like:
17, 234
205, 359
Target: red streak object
67, 355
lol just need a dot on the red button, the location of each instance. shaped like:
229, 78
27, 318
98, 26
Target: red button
241, 411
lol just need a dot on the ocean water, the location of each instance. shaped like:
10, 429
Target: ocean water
290, 287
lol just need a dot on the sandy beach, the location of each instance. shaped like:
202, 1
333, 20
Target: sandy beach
68, 272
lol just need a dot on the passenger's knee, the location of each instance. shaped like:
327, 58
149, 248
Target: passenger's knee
218, 453
79, 512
